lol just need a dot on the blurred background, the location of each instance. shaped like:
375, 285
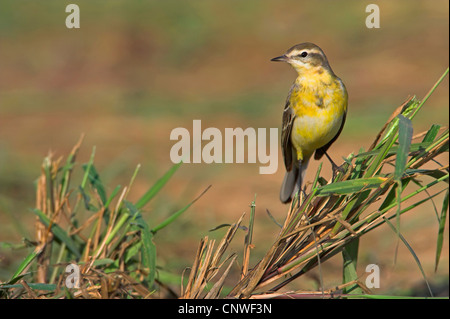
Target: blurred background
136, 70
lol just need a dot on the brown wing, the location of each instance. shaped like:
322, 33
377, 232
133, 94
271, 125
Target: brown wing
286, 144
321, 151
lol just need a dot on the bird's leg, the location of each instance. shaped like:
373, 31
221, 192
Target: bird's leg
301, 194
304, 190
298, 198
334, 167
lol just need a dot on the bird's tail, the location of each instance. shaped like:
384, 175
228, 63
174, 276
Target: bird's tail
293, 181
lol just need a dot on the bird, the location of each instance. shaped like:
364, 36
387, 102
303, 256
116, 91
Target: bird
314, 114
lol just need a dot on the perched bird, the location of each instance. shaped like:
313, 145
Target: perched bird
313, 116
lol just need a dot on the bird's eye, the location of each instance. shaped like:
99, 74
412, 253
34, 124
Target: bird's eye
304, 54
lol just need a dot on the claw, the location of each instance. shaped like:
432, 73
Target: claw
335, 167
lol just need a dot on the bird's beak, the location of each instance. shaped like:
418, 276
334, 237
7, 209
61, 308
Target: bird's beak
281, 58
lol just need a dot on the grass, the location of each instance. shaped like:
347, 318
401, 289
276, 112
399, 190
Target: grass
103, 233
106, 235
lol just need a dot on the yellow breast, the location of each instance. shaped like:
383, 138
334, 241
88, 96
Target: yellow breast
319, 102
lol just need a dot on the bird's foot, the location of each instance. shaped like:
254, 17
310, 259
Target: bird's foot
337, 169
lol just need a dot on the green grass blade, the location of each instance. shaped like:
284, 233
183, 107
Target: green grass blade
132, 251
87, 200
431, 134
350, 258
429, 93
394, 149
405, 132
59, 233
414, 193
177, 214
248, 238
350, 186
157, 186
23, 265
316, 178
404, 210
412, 253
37, 286
88, 169
148, 248
390, 198
111, 197
407, 110
273, 219
94, 179
398, 196
66, 170
106, 215
375, 165
99, 262
440, 239
435, 173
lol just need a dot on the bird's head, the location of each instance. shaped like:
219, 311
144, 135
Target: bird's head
305, 57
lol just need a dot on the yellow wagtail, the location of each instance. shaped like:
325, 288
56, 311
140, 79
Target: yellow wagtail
313, 116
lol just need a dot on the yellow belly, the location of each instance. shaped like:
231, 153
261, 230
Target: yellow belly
312, 132
319, 115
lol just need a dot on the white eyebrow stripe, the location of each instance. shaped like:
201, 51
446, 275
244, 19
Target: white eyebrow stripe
313, 51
